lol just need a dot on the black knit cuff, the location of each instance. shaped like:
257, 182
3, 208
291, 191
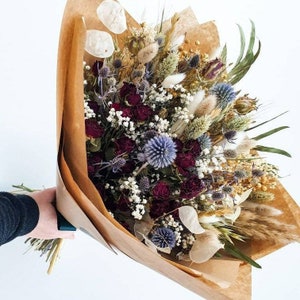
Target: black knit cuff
29, 214
19, 215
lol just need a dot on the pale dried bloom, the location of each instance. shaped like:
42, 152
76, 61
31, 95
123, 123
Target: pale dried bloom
168, 65
259, 227
245, 146
172, 80
196, 100
206, 106
205, 246
262, 209
112, 15
146, 54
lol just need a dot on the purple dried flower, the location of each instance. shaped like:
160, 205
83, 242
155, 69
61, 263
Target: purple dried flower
144, 184
160, 151
164, 237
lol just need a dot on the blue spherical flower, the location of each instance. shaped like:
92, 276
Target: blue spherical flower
224, 92
205, 142
160, 151
164, 237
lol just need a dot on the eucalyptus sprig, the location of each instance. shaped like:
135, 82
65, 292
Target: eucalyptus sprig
245, 59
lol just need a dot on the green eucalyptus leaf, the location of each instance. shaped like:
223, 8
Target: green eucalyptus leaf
232, 250
272, 150
244, 60
265, 122
270, 132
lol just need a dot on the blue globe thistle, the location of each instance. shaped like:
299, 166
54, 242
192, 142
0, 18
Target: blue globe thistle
257, 173
104, 71
204, 142
160, 151
224, 92
227, 189
194, 61
217, 195
230, 136
240, 174
117, 63
164, 237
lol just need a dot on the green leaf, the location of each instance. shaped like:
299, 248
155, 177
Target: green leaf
265, 122
268, 133
245, 60
232, 250
272, 150
223, 55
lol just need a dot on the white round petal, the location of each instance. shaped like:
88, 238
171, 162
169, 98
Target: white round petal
205, 246
99, 43
112, 15
189, 218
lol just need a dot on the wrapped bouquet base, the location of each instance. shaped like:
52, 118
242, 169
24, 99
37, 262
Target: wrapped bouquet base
80, 202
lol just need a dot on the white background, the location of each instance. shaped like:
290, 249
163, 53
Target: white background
29, 32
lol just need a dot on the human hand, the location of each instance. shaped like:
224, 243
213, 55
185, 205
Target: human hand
46, 227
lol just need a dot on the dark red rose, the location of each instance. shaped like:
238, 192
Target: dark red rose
126, 111
179, 145
117, 106
193, 147
128, 167
161, 191
127, 89
191, 187
94, 106
133, 99
124, 145
123, 203
142, 112
96, 67
158, 208
93, 129
184, 161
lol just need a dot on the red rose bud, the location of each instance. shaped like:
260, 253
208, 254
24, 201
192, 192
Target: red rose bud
93, 129
161, 191
191, 187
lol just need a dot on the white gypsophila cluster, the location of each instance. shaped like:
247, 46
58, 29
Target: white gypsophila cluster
146, 33
160, 125
188, 240
185, 97
210, 161
138, 203
157, 95
88, 112
117, 120
183, 115
169, 222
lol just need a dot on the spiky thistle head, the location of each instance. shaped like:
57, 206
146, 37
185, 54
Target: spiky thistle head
224, 92
160, 151
164, 237
205, 142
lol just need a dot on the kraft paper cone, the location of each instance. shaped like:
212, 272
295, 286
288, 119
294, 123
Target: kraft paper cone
79, 201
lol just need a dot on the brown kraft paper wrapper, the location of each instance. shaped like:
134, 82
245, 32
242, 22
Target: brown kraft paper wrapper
79, 201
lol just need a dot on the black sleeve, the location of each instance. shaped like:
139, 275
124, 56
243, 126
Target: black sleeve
19, 214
